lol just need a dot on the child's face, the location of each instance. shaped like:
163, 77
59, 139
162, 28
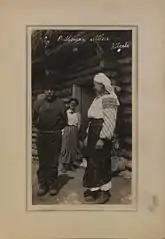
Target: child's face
73, 105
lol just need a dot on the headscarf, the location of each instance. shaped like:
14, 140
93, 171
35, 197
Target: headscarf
104, 80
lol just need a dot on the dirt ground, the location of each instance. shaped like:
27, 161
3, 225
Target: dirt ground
71, 190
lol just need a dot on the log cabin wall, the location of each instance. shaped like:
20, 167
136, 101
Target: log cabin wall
75, 64
82, 90
124, 80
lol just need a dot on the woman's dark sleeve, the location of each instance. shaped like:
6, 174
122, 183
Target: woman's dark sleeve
64, 117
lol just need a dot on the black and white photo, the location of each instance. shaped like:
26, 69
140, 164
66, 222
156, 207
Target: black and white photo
81, 116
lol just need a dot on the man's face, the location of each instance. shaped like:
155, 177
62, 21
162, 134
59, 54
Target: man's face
49, 94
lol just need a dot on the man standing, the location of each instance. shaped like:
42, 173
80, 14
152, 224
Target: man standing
50, 117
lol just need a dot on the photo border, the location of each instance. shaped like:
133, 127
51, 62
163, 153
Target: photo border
135, 178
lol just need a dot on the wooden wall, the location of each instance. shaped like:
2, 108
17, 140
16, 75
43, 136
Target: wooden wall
124, 79
120, 72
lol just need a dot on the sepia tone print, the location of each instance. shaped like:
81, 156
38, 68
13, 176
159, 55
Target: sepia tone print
81, 116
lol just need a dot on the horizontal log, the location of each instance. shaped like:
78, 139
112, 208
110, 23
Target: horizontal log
35, 159
33, 140
127, 110
76, 68
79, 69
34, 145
86, 79
34, 130
34, 152
126, 100
127, 120
127, 89
124, 105
124, 131
126, 69
109, 73
83, 73
93, 60
128, 140
82, 80
126, 60
78, 81
124, 79
127, 124
94, 70
109, 65
127, 132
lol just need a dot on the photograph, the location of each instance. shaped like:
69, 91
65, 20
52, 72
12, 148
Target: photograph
82, 125
81, 116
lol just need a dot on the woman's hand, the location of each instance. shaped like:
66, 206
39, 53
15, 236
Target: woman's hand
99, 144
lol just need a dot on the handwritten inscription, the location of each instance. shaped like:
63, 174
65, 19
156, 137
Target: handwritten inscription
120, 45
69, 38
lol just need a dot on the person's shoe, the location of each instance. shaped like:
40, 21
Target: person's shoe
71, 167
103, 197
53, 191
43, 190
90, 195
64, 170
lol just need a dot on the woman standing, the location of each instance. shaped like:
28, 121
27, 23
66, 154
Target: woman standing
102, 120
69, 151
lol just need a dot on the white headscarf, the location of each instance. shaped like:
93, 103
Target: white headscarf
104, 80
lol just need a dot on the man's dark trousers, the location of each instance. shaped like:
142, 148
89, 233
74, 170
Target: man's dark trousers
49, 146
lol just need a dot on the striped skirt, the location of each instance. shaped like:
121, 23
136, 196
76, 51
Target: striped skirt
69, 150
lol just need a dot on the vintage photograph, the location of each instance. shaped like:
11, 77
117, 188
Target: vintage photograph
81, 116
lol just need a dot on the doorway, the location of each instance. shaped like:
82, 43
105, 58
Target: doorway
85, 96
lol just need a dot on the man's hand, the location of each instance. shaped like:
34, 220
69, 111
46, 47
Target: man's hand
99, 144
